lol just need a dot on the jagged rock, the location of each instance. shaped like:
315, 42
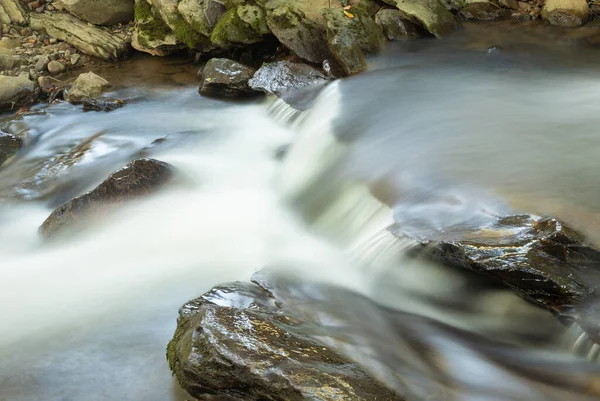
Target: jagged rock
94, 41
484, 12
137, 179
101, 12
222, 77
350, 38
284, 76
431, 14
9, 145
87, 86
16, 92
237, 343
12, 12
567, 13
540, 258
394, 26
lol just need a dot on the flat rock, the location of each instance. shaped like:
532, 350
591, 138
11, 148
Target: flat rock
566, 13
9, 145
101, 12
222, 77
94, 41
16, 92
484, 12
137, 179
431, 14
12, 12
87, 86
394, 26
236, 343
282, 77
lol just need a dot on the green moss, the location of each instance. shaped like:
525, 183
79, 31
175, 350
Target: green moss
186, 34
232, 30
142, 10
154, 29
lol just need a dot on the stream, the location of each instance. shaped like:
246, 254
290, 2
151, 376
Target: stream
448, 133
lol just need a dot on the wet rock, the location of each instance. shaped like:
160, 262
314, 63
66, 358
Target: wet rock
349, 38
394, 26
16, 92
566, 13
540, 258
222, 77
12, 12
56, 67
284, 76
484, 12
431, 14
137, 179
101, 12
236, 343
300, 27
9, 145
88, 39
87, 86
102, 105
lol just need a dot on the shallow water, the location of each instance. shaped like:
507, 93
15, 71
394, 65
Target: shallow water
445, 133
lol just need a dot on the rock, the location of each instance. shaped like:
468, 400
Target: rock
9, 145
87, 86
566, 13
540, 258
16, 92
512, 4
431, 14
56, 67
12, 12
201, 14
484, 12
75, 58
101, 12
88, 39
42, 63
284, 76
394, 26
151, 34
9, 62
350, 38
226, 78
9, 44
102, 105
137, 179
233, 30
300, 27
236, 343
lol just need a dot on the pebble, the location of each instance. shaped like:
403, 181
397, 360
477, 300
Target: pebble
42, 63
75, 58
56, 67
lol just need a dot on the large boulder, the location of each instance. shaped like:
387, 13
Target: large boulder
431, 14
349, 38
151, 34
201, 14
16, 92
137, 179
12, 12
567, 13
222, 77
282, 77
91, 40
540, 258
242, 25
394, 25
9, 145
87, 86
101, 12
236, 342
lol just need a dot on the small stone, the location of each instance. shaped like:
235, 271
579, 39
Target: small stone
56, 67
33, 74
75, 58
28, 45
42, 63
87, 86
53, 41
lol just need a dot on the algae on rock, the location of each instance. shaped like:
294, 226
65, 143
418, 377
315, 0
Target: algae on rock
431, 14
232, 30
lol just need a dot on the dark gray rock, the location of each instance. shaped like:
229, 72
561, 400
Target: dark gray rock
226, 78
394, 25
139, 178
9, 145
284, 76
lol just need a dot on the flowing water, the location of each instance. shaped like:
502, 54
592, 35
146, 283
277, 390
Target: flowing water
437, 135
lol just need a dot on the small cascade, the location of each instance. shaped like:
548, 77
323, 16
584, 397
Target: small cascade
283, 113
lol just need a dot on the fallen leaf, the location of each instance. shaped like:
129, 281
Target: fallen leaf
347, 14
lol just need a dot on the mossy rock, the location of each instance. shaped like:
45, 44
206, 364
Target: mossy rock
151, 34
232, 30
431, 14
394, 26
350, 36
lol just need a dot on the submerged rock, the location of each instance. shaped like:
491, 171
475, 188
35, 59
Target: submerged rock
222, 77
349, 38
567, 13
137, 179
9, 145
284, 76
91, 40
540, 258
484, 12
431, 14
16, 92
101, 12
87, 86
394, 26
236, 343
